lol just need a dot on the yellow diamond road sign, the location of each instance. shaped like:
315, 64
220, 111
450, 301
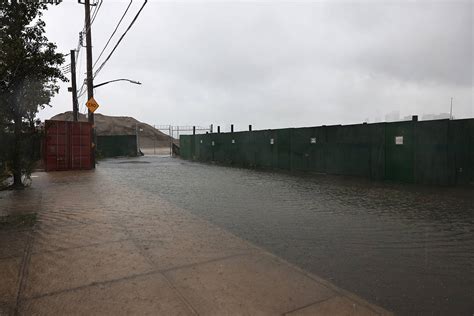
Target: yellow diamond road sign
92, 105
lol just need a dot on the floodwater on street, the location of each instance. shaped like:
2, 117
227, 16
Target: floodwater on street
407, 248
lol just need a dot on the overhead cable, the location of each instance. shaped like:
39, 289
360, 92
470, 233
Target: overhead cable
113, 33
120, 40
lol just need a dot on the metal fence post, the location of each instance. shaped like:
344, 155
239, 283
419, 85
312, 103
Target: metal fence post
171, 139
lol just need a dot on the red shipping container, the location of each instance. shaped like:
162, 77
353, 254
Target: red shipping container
67, 145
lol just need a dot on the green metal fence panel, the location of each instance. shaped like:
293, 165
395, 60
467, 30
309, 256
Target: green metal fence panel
117, 145
197, 147
435, 152
200, 148
192, 144
282, 149
229, 148
301, 149
317, 149
244, 149
377, 150
431, 156
222, 148
399, 151
460, 151
185, 142
219, 148
471, 150
358, 142
232, 148
262, 149
206, 152
334, 156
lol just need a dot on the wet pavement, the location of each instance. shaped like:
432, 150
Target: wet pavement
407, 248
102, 244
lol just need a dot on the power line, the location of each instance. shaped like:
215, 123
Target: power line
94, 15
81, 90
120, 40
113, 33
79, 46
83, 105
66, 69
96, 9
78, 53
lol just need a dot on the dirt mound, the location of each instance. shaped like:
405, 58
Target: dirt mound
121, 125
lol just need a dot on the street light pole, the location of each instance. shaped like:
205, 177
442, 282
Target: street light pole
107, 82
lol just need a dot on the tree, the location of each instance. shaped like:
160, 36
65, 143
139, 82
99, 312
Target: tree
29, 74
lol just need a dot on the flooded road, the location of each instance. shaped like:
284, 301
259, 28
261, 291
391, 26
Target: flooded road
407, 248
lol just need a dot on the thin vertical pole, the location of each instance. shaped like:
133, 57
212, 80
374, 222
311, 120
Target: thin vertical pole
75, 105
136, 135
80, 146
171, 140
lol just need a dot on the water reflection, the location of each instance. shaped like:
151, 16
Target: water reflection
405, 247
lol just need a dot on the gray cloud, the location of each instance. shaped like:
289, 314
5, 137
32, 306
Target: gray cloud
280, 64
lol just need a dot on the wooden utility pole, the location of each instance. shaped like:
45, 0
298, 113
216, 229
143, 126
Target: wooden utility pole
75, 105
90, 78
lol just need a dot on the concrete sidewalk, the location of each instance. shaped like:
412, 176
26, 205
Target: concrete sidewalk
101, 247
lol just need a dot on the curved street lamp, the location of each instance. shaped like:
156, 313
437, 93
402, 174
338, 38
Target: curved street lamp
107, 82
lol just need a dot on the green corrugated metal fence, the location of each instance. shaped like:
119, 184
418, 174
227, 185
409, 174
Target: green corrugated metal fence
432, 152
117, 146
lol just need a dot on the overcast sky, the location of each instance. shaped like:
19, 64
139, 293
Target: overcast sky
276, 64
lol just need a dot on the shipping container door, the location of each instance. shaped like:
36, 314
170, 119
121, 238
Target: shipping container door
57, 145
80, 142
